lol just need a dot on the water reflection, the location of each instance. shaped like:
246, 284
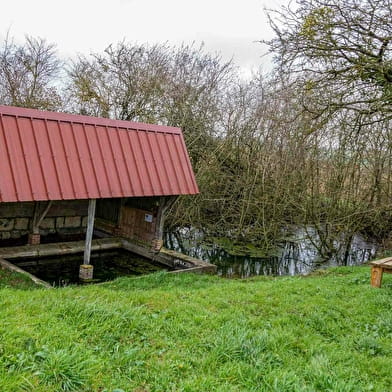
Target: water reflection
291, 258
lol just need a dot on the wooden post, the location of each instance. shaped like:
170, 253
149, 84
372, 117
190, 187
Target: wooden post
90, 230
34, 236
376, 276
86, 270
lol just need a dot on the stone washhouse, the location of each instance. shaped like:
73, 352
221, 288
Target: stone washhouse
72, 183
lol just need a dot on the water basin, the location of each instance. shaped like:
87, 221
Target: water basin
108, 265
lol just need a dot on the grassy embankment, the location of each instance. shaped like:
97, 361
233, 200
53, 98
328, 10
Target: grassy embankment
328, 332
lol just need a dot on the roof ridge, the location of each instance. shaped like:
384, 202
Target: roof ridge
83, 119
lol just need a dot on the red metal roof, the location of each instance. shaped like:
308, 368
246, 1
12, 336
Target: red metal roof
57, 156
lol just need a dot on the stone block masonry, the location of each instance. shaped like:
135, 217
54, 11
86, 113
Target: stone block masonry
48, 223
132, 218
7, 224
63, 218
72, 221
21, 223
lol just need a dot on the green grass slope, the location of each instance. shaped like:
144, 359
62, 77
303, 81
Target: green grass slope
327, 332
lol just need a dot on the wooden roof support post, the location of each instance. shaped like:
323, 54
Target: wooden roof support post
86, 269
38, 217
90, 230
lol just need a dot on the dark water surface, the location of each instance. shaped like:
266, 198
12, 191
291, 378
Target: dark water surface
294, 257
108, 265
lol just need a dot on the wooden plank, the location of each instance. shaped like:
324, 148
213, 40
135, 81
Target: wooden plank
386, 260
187, 262
90, 229
195, 270
171, 258
376, 276
385, 265
59, 248
12, 267
142, 251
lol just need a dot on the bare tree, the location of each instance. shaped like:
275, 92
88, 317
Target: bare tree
177, 86
340, 51
262, 162
28, 74
124, 82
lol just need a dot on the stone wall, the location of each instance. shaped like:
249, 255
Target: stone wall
65, 218
132, 218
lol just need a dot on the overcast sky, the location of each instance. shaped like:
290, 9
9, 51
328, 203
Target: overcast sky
230, 27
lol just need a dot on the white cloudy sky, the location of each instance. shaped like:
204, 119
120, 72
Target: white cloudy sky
230, 27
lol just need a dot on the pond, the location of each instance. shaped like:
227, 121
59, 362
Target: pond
108, 265
294, 257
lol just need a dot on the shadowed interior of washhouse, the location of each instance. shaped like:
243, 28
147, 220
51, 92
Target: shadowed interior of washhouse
134, 218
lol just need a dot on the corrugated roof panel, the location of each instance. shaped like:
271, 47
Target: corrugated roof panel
17, 160
156, 141
120, 161
140, 162
7, 180
55, 156
131, 166
64, 175
109, 160
97, 161
73, 161
186, 166
49, 171
149, 159
87, 170
182, 183
169, 163
32, 159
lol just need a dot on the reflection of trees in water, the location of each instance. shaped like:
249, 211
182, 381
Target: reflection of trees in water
296, 257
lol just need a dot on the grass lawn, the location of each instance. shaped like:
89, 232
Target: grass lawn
327, 332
